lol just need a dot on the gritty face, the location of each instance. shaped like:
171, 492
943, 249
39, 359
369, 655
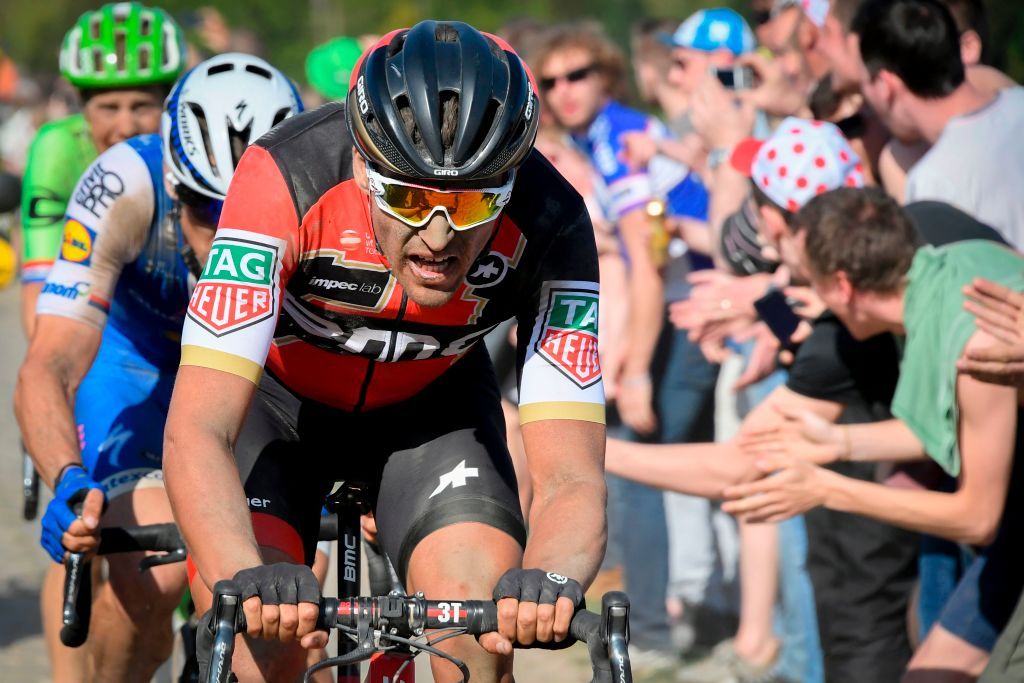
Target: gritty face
430, 261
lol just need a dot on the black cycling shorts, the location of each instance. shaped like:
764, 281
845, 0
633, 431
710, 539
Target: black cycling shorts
437, 459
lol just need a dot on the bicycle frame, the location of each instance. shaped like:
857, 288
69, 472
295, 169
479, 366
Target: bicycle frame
349, 503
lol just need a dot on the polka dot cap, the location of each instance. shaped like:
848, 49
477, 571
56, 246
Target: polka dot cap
800, 160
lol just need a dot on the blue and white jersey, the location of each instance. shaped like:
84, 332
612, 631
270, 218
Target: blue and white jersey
121, 260
619, 189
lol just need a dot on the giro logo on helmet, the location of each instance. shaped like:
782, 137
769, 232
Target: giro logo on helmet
528, 112
446, 171
361, 96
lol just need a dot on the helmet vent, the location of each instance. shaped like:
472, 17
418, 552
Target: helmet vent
259, 71
204, 131
97, 60
145, 56
120, 49
165, 49
446, 33
280, 116
219, 69
239, 140
94, 27
145, 25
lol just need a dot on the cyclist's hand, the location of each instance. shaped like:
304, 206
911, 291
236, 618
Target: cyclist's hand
533, 606
64, 529
281, 602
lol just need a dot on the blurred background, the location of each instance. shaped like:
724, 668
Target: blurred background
284, 32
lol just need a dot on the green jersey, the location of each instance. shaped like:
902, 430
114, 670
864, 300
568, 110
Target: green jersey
60, 153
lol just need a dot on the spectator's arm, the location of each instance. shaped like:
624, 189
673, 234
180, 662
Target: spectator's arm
722, 121
969, 515
646, 310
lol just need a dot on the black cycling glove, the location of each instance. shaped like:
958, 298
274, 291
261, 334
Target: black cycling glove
281, 583
274, 584
537, 585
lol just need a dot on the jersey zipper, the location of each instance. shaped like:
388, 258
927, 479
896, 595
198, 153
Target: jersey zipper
387, 359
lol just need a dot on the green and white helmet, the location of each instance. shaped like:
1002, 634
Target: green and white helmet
122, 45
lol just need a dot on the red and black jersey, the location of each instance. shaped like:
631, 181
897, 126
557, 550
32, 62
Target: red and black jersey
295, 282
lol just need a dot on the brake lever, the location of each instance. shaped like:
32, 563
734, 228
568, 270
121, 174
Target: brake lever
169, 557
615, 633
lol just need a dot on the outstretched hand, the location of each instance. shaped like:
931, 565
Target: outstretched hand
802, 435
999, 312
791, 487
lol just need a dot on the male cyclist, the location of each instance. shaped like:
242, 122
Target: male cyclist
364, 249
92, 397
123, 58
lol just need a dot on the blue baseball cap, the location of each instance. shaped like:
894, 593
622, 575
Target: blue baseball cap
709, 30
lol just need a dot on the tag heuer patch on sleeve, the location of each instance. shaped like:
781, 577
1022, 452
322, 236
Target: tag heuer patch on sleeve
237, 287
569, 337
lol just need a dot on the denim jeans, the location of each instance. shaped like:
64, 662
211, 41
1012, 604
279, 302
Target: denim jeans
638, 532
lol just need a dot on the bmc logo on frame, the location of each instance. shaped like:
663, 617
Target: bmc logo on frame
236, 289
569, 338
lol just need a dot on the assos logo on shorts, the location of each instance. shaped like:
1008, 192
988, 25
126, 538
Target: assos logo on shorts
237, 286
569, 339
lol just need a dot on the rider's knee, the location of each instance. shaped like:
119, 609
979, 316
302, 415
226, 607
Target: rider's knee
152, 594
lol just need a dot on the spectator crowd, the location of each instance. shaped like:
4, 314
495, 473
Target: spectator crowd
812, 328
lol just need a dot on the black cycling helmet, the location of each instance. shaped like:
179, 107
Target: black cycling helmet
403, 85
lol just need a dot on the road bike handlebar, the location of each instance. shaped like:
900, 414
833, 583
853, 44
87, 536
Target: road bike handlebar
380, 622
160, 538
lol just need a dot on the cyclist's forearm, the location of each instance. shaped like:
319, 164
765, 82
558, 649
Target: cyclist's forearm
208, 502
568, 532
43, 409
29, 295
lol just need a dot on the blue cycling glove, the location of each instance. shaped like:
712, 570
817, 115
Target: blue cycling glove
71, 490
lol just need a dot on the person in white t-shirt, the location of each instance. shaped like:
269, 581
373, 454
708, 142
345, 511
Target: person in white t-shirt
913, 75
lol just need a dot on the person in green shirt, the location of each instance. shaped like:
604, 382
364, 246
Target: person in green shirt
863, 258
123, 58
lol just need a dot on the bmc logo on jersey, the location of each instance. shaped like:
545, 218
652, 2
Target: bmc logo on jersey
77, 245
569, 338
237, 286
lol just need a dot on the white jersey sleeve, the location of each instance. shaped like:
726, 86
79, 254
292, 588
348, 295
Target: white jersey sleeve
107, 222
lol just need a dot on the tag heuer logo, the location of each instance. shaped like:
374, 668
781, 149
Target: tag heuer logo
237, 286
569, 340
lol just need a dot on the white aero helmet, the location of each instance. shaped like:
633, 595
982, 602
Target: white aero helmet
218, 109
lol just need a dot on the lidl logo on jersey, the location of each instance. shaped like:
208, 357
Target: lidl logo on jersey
236, 288
78, 241
569, 338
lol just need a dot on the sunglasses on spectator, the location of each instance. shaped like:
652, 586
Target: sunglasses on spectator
415, 204
205, 209
574, 76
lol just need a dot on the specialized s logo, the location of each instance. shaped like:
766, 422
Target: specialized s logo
78, 241
237, 288
569, 338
